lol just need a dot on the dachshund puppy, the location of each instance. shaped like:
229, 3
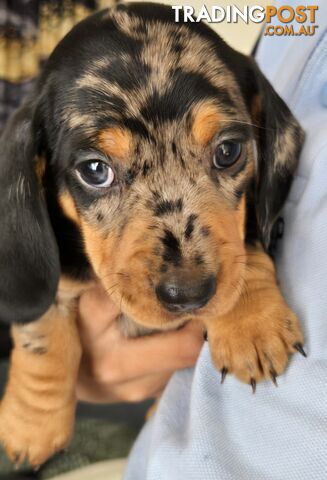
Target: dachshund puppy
154, 159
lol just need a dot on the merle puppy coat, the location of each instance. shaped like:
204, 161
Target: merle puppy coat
153, 159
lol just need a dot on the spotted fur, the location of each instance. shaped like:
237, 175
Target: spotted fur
154, 98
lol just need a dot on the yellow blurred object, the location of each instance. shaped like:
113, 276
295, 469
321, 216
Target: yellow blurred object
20, 58
110, 470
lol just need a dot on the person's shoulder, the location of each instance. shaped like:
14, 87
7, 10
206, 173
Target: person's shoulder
282, 53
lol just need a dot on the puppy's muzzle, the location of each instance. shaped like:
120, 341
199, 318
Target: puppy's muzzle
181, 295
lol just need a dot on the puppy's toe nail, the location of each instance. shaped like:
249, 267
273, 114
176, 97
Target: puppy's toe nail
223, 372
253, 384
299, 347
18, 459
205, 336
273, 376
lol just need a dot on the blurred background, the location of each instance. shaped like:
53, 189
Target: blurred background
29, 30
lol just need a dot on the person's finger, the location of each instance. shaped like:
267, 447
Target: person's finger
168, 351
135, 390
131, 359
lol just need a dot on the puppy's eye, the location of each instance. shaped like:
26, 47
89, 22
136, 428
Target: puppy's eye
95, 173
226, 154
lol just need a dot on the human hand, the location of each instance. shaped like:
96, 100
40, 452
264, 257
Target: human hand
119, 369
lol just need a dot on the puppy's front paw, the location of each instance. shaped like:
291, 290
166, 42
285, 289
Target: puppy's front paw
37, 412
33, 432
254, 340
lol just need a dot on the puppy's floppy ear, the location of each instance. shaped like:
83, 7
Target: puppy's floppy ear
279, 142
29, 260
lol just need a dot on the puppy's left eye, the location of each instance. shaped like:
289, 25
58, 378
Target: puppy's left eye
226, 154
95, 173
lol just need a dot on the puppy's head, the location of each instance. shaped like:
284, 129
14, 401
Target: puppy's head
162, 145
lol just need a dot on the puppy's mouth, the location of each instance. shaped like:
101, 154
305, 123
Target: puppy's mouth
169, 304
130, 328
162, 300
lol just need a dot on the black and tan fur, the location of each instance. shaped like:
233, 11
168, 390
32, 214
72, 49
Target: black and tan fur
154, 98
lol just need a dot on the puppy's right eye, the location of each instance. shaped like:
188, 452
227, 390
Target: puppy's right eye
95, 173
226, 154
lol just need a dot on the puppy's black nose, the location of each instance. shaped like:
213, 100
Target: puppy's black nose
180, 295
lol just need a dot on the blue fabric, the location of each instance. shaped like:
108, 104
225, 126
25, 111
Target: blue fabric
206, 431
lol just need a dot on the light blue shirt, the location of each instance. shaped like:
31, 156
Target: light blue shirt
206, 431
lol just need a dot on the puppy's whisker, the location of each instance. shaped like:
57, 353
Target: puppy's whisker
121, 301
253, 266
121, 274
111, 290
248, 123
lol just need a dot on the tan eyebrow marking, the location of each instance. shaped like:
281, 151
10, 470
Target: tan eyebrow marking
39, 168
206, 121
68, 205
116, 142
